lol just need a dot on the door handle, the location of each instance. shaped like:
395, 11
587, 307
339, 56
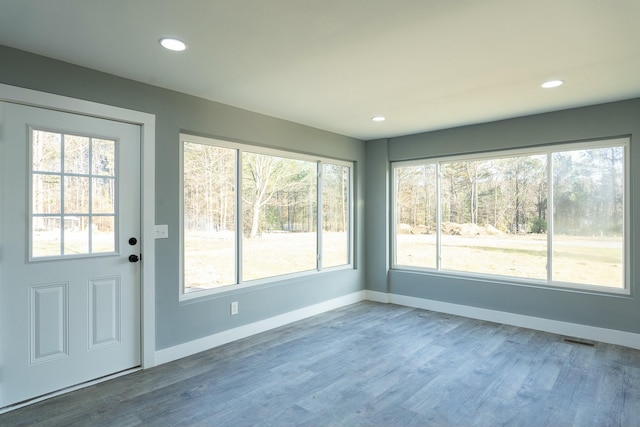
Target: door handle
134, 258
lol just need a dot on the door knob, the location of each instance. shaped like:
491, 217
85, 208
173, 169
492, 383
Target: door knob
134, 258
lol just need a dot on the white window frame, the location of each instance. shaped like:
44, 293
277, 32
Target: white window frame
548, 150
241, 148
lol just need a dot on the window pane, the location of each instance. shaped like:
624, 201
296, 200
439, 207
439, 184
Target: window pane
103, 154
279, 216
588, 242
46, 236
103, 234
46, 148
76, 154
46, 194
335, 215
103, 200
494, 216
415, 215
76, 235
209, 216
76, 195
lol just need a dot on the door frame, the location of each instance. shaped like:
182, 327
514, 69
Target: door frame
146, 122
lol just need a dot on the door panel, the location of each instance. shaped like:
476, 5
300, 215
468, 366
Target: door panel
48, 314
104, 312
69, 297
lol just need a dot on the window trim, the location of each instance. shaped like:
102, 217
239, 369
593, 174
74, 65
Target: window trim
242, 147
623, 141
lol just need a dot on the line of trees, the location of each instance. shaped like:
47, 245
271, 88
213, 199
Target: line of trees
589, 191
511, 193
278, 194
209, 187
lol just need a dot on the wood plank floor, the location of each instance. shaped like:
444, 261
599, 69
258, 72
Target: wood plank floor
369, 364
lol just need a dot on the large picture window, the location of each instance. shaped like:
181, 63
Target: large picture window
554, 215
250, 214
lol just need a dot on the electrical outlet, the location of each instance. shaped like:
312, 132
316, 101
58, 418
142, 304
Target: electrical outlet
234, 308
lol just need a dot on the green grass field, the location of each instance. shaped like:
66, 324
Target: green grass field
210, 259
582, 260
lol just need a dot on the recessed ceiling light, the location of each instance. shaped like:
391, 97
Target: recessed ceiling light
173, 44
378, 118
552, 83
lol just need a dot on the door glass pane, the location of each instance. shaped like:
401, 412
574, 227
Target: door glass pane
588, 193
103, 190
76, 154
279, 216
415, 215
46, 194
76, 235
73, 180
46, 236
104, 157
103, 234
46, 151
335, 215
76, 195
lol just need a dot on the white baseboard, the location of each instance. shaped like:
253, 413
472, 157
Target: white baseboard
611, 336
215, 340
376, 296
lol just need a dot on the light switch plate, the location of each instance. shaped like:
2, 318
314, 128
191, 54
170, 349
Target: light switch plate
162, 231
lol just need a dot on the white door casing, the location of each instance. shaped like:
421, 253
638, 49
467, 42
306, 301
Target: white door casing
67, 321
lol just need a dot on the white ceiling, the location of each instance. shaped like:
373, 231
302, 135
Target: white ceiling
333, 64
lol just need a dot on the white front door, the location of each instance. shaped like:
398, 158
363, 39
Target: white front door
69, 222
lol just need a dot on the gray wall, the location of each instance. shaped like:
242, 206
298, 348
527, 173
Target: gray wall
607, 311
377, 208
176, 322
